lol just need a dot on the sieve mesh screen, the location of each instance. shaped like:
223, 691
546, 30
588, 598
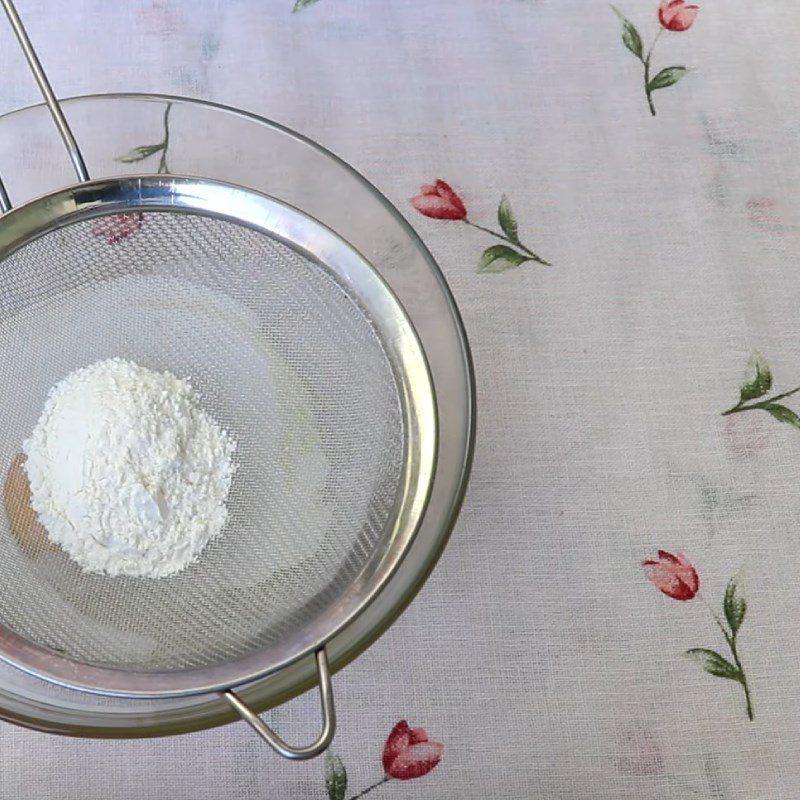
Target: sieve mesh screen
284, 358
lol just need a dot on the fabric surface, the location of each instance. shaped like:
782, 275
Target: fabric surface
542, 655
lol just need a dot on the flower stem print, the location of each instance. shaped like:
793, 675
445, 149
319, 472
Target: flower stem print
301, 4
146, 150
677, 578
758, 382
439, 201
407, 754
673, 15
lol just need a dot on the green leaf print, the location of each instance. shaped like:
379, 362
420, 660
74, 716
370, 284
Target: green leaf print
713, 663
758, 378
140, 153
335, 777
144, 151
499, 258
734, 604
782, 413
630, 36
667, 77
507, 220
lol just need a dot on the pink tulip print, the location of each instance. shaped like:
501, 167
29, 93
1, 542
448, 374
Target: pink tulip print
117, 227
675, 16
438, 200
408, 753
676, 577
673, 575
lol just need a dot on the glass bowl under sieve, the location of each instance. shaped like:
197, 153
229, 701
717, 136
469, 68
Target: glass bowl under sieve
229, 145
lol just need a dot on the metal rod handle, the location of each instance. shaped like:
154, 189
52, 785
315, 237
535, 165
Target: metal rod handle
5, 202
49, 97
272, 738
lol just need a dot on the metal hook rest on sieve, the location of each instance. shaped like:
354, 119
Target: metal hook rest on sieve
274, 741
244, 711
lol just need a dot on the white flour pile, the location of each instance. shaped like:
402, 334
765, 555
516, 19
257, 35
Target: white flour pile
128, 473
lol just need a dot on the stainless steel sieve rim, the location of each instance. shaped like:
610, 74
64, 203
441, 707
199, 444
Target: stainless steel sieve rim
260, 212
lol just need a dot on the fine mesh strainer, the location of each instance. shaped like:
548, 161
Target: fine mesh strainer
297, 347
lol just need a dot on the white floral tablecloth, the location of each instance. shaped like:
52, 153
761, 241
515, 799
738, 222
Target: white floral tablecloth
612, 195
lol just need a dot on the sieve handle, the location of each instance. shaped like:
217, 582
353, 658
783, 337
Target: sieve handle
49, 98
272, 738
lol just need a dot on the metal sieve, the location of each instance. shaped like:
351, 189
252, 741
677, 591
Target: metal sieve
297, 347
